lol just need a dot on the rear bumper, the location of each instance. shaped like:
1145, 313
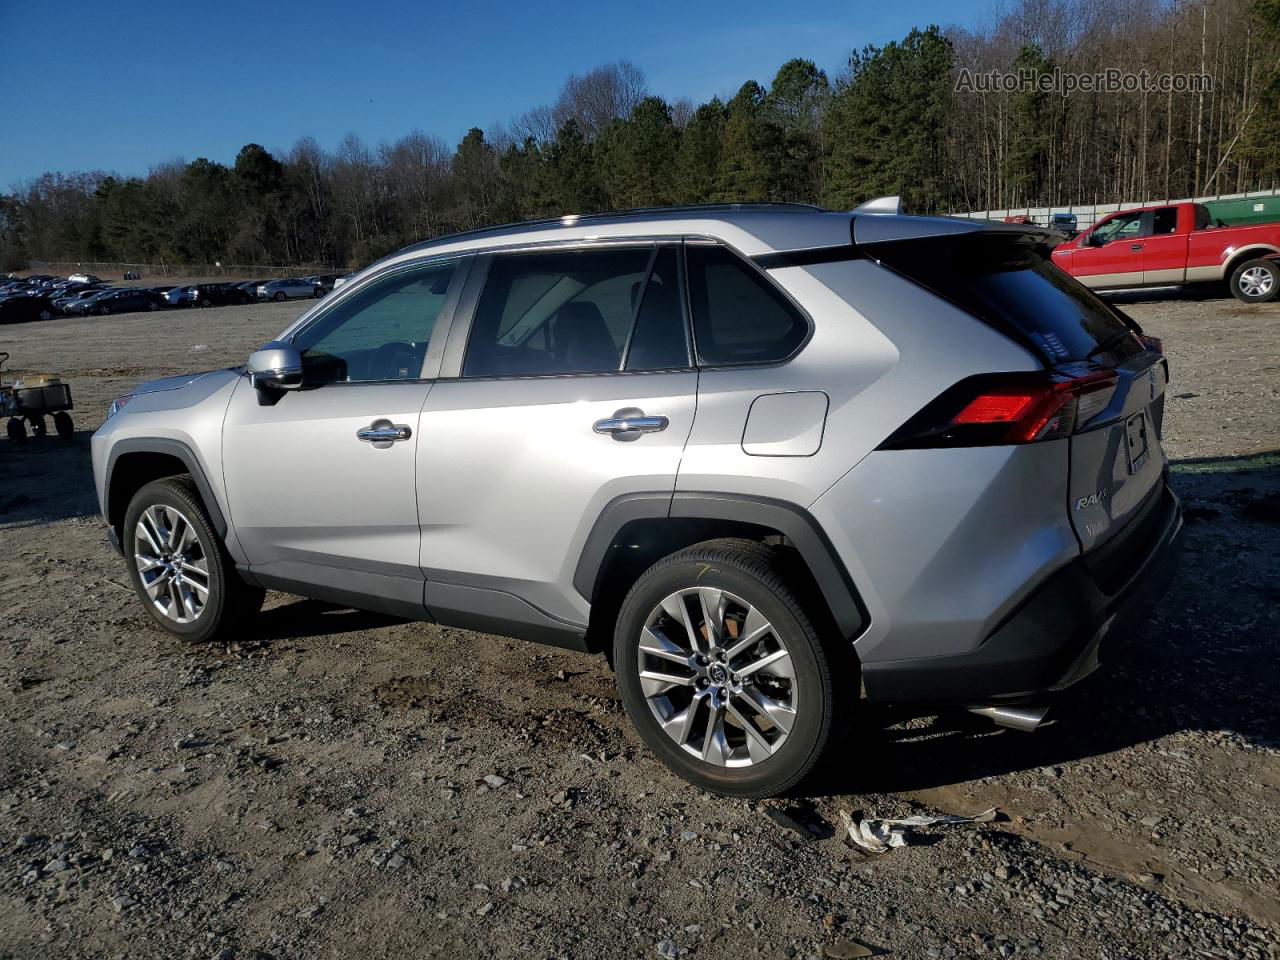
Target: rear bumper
1052, 639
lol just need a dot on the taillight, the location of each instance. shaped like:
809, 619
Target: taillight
1006, 408
1154, 344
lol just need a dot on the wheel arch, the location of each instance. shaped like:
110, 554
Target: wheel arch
1255, 252
637, 530
137, 461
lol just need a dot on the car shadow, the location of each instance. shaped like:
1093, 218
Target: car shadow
301, 617
1203, 660
46, 479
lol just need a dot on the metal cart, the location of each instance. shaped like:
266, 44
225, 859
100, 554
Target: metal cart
26, 401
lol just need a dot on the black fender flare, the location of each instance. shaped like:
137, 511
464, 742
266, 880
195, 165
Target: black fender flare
172, 448
795, 523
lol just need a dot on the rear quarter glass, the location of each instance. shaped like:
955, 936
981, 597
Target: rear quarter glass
1009, 283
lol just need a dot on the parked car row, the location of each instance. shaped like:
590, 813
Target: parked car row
43, 296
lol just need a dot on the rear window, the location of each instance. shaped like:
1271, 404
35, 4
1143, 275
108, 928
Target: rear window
1010, 284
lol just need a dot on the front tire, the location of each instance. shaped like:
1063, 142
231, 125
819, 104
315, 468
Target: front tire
178, 566
1256, 281
280, 296
722, 671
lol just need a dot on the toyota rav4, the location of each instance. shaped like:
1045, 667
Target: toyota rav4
772, 461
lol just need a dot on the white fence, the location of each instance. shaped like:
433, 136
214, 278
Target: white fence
148, 271
1088, 214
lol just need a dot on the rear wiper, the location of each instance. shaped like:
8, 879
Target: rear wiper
1107, 344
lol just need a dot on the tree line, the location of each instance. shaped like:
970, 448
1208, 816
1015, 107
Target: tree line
891, 122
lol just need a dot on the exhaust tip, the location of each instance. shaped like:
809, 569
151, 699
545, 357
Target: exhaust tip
1026, 718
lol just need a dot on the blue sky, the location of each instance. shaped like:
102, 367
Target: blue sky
123, 86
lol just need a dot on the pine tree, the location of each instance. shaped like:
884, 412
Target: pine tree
1030, 133
885, 128
636, 156
795, 103
750, 165
698, 159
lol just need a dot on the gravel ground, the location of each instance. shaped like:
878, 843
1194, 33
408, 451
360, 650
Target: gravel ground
340, 783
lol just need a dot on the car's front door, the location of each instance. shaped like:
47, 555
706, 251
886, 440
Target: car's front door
573, 388
1110, 255
321, 481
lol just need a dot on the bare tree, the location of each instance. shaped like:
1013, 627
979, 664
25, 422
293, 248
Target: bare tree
594, 99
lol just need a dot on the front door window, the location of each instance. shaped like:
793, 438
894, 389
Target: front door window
380, 332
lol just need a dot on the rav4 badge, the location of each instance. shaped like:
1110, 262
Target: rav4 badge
1092, 500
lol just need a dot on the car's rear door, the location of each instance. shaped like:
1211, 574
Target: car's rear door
1164, 248
567, 384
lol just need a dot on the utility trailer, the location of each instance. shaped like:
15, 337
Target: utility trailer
26, 402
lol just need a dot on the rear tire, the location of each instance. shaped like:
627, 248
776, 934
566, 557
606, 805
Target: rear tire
695, 716
1256, 281
38, 427
63, 425
16, 429
191, 588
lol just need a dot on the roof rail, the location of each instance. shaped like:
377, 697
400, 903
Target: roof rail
570, 219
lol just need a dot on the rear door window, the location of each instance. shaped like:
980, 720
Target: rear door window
1009, 283
739, 316
578, 311
1164, 220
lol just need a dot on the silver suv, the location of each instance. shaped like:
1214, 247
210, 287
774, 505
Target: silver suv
769, 460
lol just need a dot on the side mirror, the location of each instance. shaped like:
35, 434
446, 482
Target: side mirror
275, 366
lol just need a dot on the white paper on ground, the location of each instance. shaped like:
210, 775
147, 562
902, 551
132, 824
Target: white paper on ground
882, 835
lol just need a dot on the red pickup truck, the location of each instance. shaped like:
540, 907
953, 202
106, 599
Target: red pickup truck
1172, 245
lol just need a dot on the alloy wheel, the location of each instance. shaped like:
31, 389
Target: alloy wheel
718, 677
1255, 282
172, 563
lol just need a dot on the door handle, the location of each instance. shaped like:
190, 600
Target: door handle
383, 433
1135, 247
629, 423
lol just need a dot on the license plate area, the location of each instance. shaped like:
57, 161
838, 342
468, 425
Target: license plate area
1136, 447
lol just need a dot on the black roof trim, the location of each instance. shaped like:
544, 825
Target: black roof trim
804, 258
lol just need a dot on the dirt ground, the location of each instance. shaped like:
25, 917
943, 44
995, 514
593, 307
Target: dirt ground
342, 784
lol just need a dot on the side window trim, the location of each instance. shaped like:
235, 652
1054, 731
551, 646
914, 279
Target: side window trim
463, 318
436, 340
635, 308
688, 304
